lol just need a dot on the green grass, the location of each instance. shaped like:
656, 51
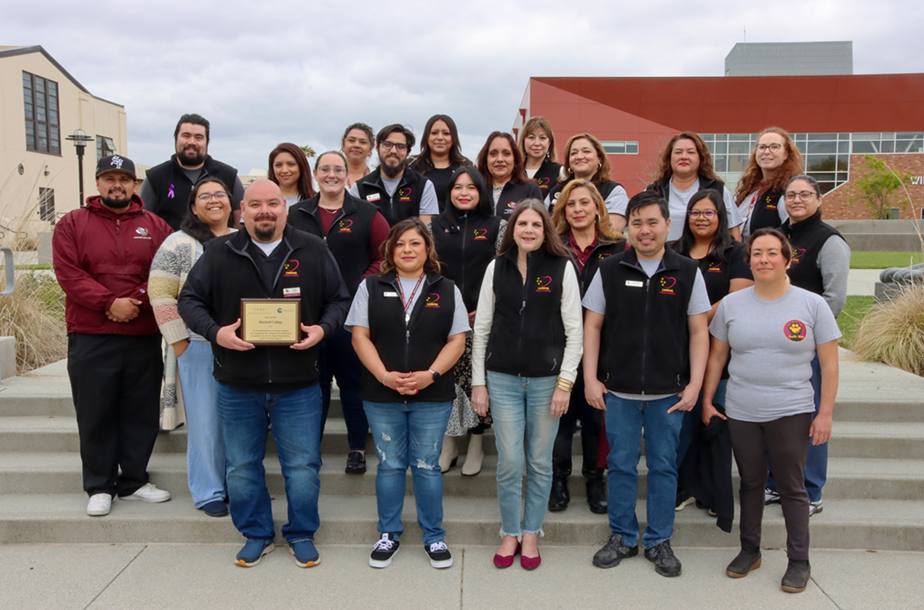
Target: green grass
854, 311
33, 267
884, 260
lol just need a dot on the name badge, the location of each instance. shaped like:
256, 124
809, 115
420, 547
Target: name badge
292, 292
390, 294
373, 197
634, 284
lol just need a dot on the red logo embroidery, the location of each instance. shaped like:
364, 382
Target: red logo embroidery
794, 330
404, 194
797, 255
290, 268
714, 268
481, 234
543, 282
433, 300
345, 226
543, 183
667, 285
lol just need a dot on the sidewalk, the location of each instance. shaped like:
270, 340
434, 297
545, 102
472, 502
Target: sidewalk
863, 282
136, 576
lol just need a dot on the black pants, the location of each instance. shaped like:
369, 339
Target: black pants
785, 441
115, 381
590, 419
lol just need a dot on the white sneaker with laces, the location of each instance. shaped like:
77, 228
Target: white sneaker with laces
148, 493
815, 508
439, 555
99, 505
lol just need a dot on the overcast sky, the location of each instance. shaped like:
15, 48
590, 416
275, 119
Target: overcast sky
265, 73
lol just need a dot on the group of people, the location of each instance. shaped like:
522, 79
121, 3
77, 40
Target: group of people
447, 298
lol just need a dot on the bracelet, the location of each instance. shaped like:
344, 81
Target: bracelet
564, 384
383, 379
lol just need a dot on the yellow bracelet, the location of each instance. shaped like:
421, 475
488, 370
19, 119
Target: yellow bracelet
564, 384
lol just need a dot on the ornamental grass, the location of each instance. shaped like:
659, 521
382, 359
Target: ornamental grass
893, 332
34, 314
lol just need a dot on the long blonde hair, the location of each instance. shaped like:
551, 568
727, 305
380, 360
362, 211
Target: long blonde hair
601, 222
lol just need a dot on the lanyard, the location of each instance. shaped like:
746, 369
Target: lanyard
407, 303
753, 201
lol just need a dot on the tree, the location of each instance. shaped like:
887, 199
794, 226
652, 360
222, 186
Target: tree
309, 152
875, 186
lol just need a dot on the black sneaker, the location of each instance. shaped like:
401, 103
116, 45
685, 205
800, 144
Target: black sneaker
356, 463
613, 552
439, 554
662, 555
383, 551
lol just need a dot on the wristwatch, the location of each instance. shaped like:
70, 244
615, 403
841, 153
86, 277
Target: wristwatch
436, 376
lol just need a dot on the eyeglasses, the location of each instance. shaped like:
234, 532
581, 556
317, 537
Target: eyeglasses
388, 145
801, 195
708, 214
205, 197
337, 171
775, 147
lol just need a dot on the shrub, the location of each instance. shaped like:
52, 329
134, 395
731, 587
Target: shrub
893, 332
34, 314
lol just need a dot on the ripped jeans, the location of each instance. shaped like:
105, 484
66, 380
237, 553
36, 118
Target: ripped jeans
409, 434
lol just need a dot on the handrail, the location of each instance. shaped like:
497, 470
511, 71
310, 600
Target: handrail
10, 270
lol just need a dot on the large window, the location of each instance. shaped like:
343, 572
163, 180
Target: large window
620, 148
104, 147
47, 204
40, 100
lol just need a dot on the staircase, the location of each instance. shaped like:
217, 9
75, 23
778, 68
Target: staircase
874, 497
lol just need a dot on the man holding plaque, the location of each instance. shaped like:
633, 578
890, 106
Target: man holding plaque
264, 297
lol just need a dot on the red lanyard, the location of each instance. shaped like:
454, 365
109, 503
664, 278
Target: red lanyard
407, 316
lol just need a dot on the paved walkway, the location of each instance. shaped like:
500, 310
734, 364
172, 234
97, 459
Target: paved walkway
100, 576
863, 282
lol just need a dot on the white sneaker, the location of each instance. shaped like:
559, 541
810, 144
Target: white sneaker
148, 493
99, 505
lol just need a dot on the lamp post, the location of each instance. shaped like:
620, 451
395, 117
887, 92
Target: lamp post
80, 139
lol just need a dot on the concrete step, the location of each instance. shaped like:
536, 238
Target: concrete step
851, 439
42, 473
61, 518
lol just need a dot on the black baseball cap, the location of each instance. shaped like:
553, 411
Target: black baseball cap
115, 163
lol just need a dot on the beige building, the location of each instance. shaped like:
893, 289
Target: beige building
40, 105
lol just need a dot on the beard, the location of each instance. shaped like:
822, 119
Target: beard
392, 171
190, 156
116, 204
264, 235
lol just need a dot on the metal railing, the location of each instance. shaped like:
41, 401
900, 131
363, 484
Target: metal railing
10, 270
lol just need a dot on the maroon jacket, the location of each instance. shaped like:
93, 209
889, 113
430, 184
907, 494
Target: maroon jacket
100, 256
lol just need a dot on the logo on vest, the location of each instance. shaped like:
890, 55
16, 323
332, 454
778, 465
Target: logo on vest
797, 254
141, 231
714, 267
404, 194
543, 183
289, 269
667, 285
603, 255
794, 330
769, 201
433, 300
481, 234
543, 282
345, 226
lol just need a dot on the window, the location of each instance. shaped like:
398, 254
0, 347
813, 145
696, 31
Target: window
104, 147
40, 101
47, 204
620, 148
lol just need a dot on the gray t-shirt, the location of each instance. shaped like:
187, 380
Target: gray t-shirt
359, 310
679, 200
772, 347
429, 206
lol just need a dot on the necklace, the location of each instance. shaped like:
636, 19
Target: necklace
407, 303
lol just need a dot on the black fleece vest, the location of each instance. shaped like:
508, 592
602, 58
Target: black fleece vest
348, 238
766, 210
645, 327
602, 251
403, 203
465, 246
527, 336
512, 194
234, 274
171, 187
547, 176
604, 189
411, 347
807, 238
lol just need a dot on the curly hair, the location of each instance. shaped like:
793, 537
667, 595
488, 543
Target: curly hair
431, 264
602, 221
706, 169
753, 176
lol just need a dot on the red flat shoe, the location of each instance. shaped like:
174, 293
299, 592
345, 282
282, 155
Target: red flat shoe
505, 561
530, 563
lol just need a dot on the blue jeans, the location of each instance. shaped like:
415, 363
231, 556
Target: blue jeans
523, 429
625, 420
690, 419
205, 448
816, 464
409, 434
296, 420
338, 358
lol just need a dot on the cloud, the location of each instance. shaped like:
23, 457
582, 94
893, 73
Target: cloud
302, 71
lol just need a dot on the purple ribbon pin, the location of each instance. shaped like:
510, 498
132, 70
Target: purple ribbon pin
171, 194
